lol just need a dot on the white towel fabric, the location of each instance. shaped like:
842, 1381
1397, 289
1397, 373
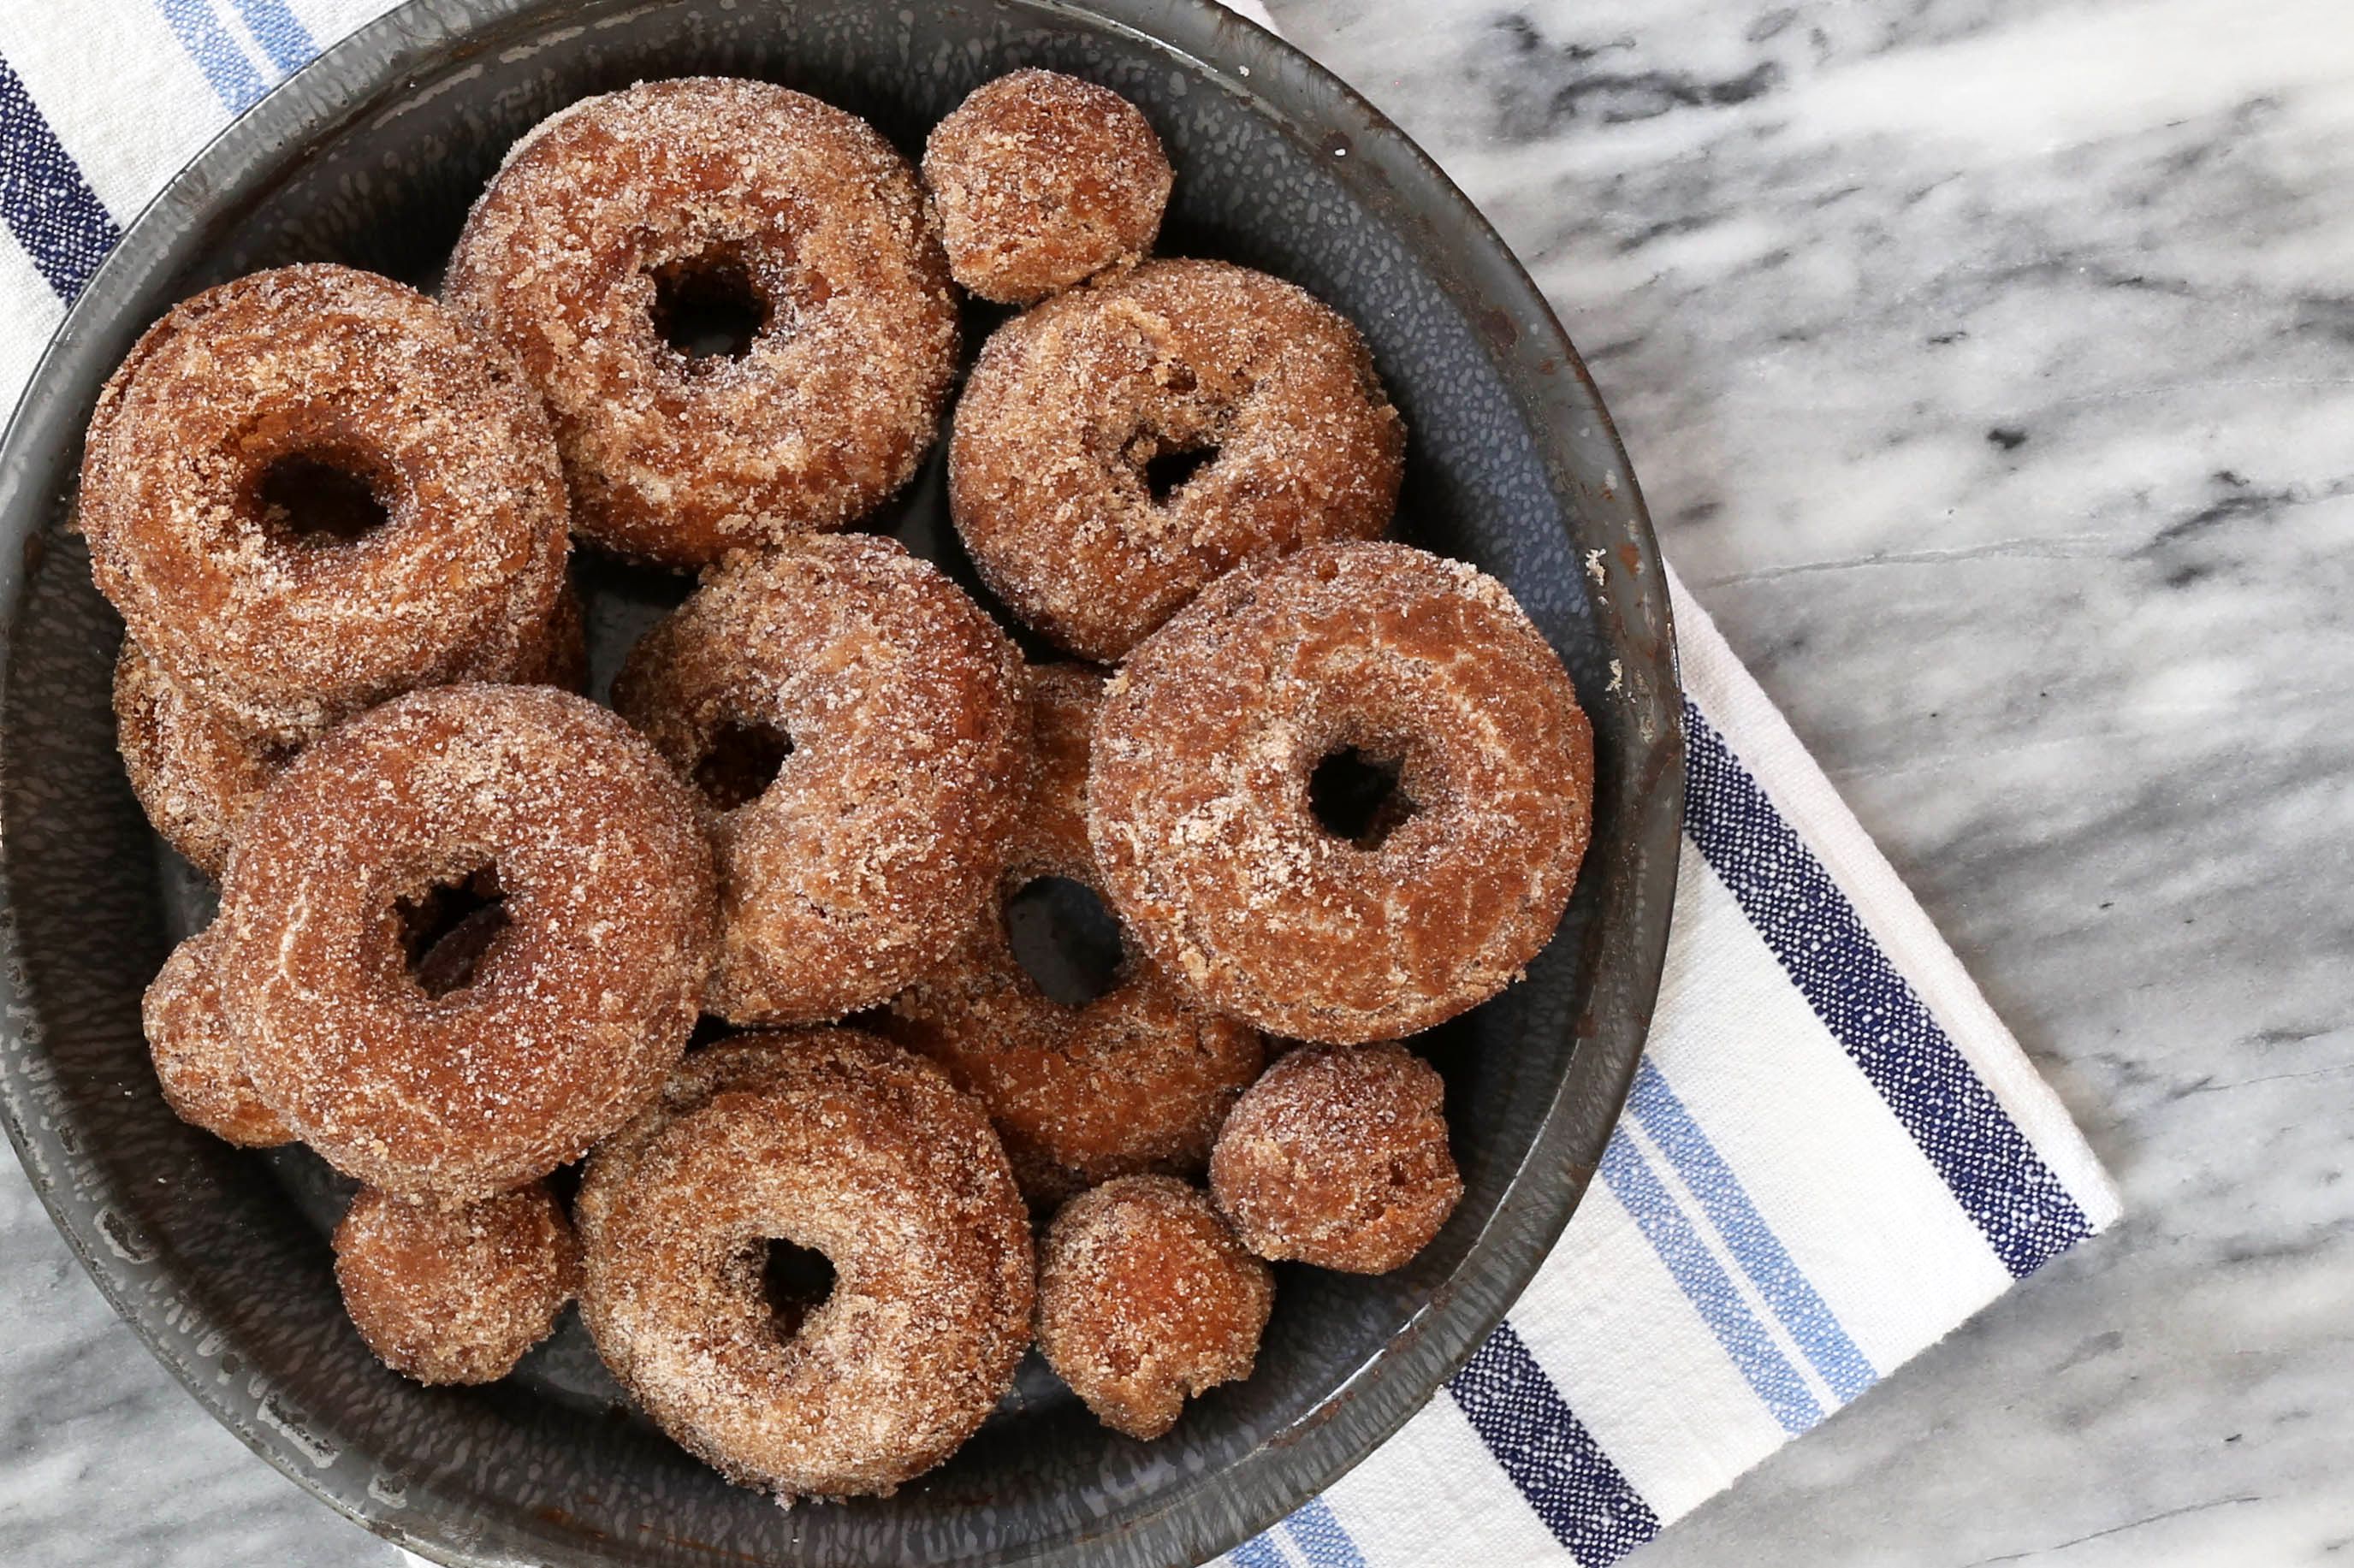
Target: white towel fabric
1834, 1154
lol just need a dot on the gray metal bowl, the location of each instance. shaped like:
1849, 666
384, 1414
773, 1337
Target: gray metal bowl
218, 1258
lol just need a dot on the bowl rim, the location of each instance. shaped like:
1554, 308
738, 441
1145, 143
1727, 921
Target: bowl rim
1403, 188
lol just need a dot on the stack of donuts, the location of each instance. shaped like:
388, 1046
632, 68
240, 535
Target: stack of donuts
1330, 790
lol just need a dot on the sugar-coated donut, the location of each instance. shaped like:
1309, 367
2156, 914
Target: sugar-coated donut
1145, 1300
559, 655
574, 1008
842, 1151
620, 205
1202, 818
894, 703
967, 1153
198, 775
1039, 180
455, 1294
196, 1060
1054, 467
1338, 1156
1137, 1079
311, 381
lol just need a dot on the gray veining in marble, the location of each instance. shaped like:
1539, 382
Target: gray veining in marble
1989, 366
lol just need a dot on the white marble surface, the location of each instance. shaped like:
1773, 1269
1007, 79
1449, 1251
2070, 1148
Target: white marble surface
1990, 366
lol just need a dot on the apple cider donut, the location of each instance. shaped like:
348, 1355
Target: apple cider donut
1039, 179
196, 1059
570, 1009
617, 222
198, 776
312, 488
1339, 1157
855, 725
455, 1294
961, 1141
1138, 1078
1202, 811
839, 1151
1059, 469
1146, 1299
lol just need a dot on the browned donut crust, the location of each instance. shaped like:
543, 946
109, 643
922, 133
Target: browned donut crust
1137, 1079
916, 1342
1070, 402
1038, 179
455, 1294
958, 1141
1146, 1299
196, 1060
1199, 808
575, 1010
559, 655
710, 180
282, 632
871, 853
198, 774
1338, 1156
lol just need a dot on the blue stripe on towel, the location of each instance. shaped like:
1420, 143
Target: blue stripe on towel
44, 199
234, 80
1565, 1475
280, 33
1260, 1551
2016, 1202
1752, 1242
1321, 1538
1707, 1286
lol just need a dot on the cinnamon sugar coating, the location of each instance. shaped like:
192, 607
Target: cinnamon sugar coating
198, 775
842, 1145
959, 1143
874, 848
1146, 1299
196, 1060
1338, 1156
557, 655
738, 189
320, 369
455, 1294
576, 1007
1137, 1079
1039, 179
1052, 462
1199, 792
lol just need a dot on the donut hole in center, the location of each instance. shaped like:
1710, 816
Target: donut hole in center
740, 762
448, 930
1355, 796
796, 1282
1168, 471
710, 307
1064, 939
318, 500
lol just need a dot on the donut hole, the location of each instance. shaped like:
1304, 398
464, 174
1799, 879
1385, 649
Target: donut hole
1168, 471
796, 1281
318, 500
710, 307
739, 763
449, 929
1065, 938
1355, 796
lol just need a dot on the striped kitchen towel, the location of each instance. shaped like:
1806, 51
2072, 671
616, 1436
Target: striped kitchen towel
1834, 1152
